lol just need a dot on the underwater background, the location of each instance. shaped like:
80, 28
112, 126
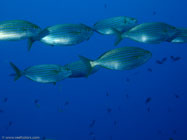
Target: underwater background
147, 103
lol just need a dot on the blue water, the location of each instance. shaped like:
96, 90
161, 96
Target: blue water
163, 118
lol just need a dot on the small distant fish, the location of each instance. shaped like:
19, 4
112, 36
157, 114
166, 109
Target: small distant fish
115, 123
119, 108
164, 59
159, 62
148, 109
148, 100
66, 103
177, 96
107, 94
152, 33
154, 13
5, 99
36, 102
171, 139
109, 110
175, 58
47, 73
149, 69
127, 79
1, 111
92, 123
66, 34
91, 133
174, 132
105, 5
124, 58
127, 96
10, 123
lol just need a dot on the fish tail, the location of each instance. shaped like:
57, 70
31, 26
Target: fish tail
30, 42
18, 73
87, 62
119, 37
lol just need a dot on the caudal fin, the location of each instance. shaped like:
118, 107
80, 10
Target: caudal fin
118, 37
18, 72
87, 62
30, 42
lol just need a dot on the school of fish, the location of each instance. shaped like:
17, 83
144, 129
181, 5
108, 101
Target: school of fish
123, 58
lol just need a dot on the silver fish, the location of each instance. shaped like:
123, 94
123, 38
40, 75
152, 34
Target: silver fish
110, 25
80, 69
181, 36
125, 58
155, 32
13, 30
48, 73
66, 34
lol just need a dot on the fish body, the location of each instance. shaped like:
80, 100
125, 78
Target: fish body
154, 33
13, 30
47, 73
181, 36
66, 34
125, 58
80, 69
110, 25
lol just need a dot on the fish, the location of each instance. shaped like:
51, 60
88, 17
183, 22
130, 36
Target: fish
13, 30
152, 33
92, 123
150, 69
2, 111
181, 36
91, 133
109, 26
154, 13
66, 103
65, 34
46, 73
174, 132
109, 110
177, 96
107, 94
36, 102
125, 58
164, 59
5, 99
128, 79
80, 69
175, 58
105, 5
161, 61
148, 100
127, 96
148, 109
115, 26
115, 123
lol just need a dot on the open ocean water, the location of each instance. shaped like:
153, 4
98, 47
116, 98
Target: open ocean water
146, 103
